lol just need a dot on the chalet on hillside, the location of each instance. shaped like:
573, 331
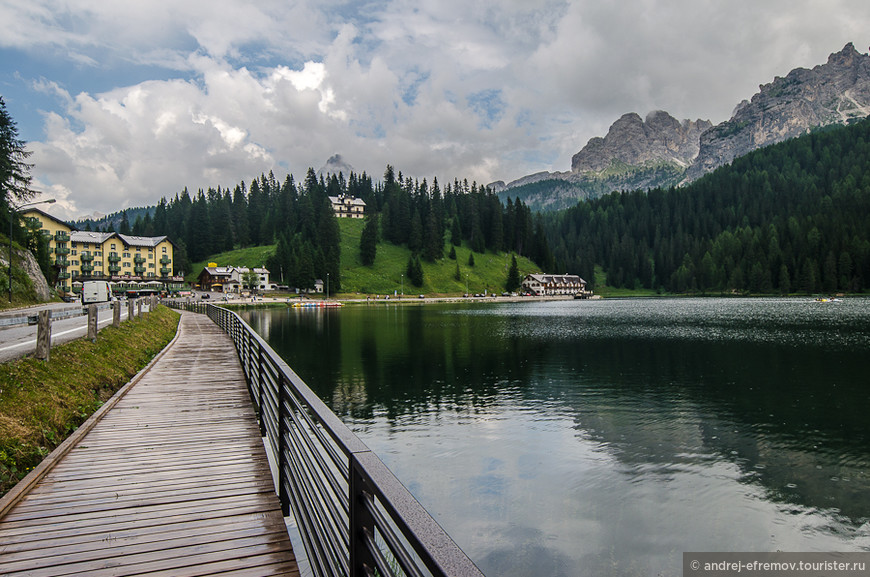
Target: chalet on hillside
554, 284
348, 206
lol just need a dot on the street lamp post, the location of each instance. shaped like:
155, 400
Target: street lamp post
403, 286
466, 285
13, 210
327, 286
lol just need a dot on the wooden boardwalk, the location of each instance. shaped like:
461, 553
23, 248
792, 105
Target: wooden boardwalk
172, 481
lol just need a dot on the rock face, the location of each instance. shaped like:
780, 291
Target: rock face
25, 260
630, 140
835, 92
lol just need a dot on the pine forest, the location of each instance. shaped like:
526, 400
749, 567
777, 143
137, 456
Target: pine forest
789, 218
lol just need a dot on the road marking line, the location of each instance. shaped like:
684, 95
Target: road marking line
53, 335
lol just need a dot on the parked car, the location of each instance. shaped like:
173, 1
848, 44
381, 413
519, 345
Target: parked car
205, 296
97, 291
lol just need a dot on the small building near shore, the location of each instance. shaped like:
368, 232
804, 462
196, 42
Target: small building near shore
231, 278
554, 284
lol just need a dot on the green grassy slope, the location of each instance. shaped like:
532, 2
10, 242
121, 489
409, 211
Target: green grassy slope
385, 276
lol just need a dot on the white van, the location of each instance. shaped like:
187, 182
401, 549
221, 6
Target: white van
96, 291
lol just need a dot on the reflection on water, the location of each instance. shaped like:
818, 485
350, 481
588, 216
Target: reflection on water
606, 438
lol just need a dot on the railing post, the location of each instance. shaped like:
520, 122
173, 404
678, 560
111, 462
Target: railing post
283, 418
43, 335
361, 522
259, 394
116, 314
92, 322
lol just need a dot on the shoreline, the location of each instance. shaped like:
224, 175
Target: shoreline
361, 300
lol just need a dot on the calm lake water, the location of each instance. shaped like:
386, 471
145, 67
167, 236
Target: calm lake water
607, 437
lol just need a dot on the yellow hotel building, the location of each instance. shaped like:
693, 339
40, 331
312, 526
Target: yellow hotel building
81, 255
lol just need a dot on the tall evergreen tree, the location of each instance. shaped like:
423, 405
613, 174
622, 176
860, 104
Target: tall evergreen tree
414, 271
513, 278
368, 244
256, 213
433, 239
240, 216
14, 170
124, 227
415, 236
455, 232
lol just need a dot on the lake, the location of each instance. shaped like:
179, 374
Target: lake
607, 437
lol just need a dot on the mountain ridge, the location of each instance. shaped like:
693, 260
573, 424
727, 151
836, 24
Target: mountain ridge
662, 151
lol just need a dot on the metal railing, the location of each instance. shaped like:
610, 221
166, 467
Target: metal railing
355, 518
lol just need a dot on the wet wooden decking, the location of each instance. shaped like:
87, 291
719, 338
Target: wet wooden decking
173, 480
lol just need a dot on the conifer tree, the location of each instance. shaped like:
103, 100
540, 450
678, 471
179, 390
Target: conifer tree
456, 232
240, 216
414, 271
415, 237
433, 240
513, 277
14, 170
124, 227
368, 244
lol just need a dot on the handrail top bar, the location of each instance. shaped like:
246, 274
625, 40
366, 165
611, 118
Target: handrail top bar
422, 528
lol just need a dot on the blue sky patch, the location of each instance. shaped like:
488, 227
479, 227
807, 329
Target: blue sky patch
488, 105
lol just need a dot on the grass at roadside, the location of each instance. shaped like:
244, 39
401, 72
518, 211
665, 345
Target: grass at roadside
42, 403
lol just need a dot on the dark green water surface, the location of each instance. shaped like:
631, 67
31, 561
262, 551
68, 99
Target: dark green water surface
607, 437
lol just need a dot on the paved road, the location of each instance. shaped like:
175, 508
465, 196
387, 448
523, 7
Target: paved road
20, 340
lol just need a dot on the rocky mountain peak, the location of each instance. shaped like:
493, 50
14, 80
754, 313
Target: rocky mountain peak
844, 57
832, 93
334, 165
635, 141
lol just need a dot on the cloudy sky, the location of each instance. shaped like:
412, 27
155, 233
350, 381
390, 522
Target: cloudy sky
125, 102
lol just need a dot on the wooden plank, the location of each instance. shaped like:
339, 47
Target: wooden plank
172, 481
94, 536
137, 544
60, 507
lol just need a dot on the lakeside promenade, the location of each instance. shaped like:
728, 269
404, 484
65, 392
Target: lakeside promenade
171, 478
